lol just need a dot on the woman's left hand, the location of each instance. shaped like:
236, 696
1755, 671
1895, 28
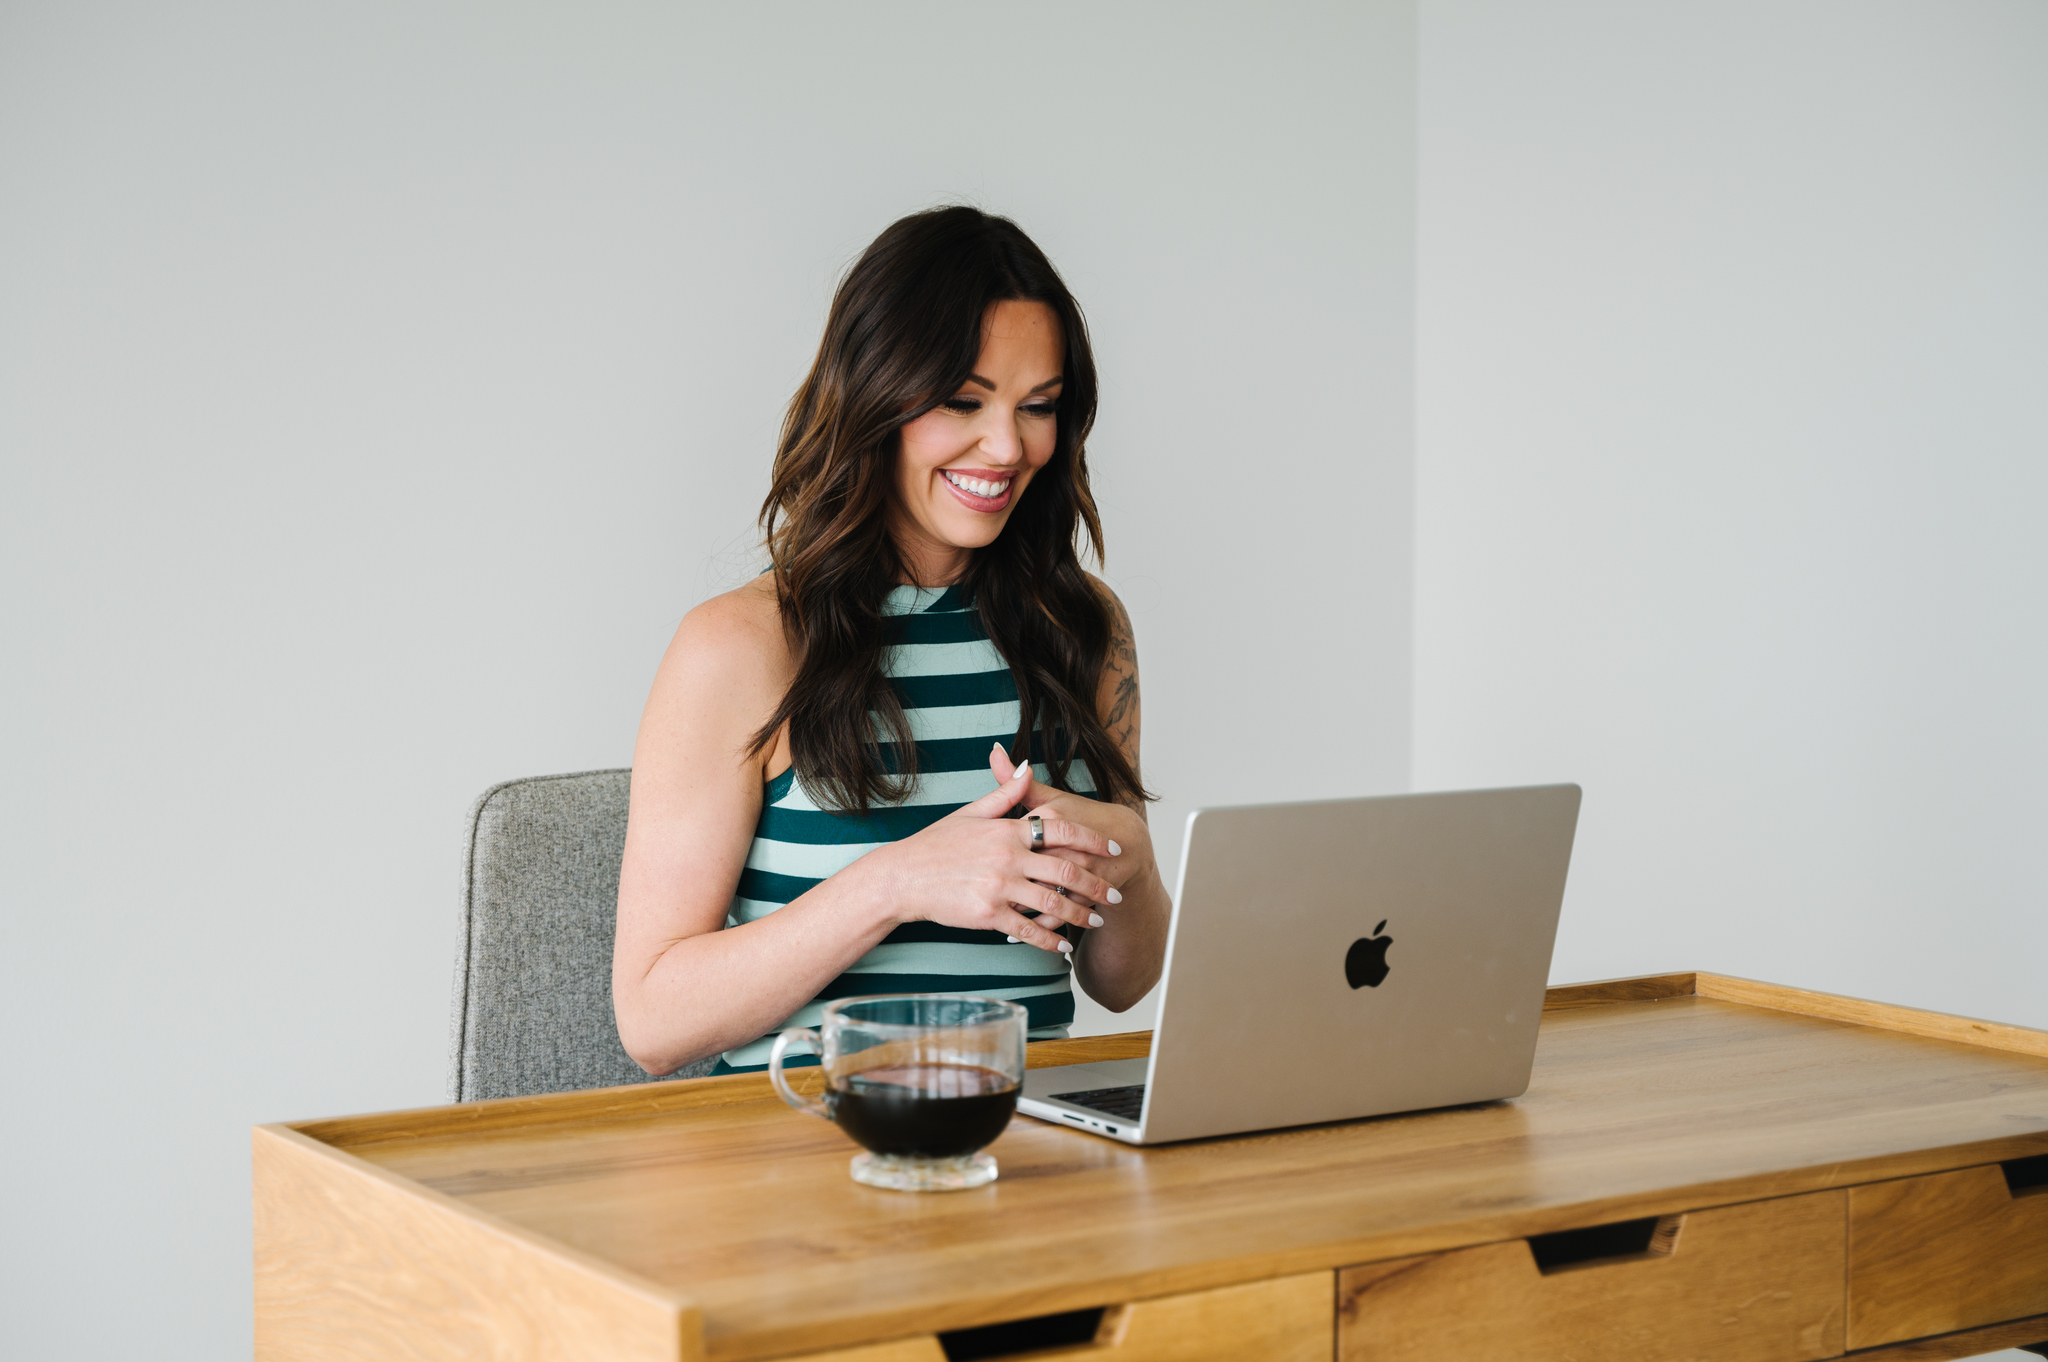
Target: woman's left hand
1124, 827
1117, 960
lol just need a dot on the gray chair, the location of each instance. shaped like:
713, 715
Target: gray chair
533, 975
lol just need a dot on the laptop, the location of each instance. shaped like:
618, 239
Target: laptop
1339, 959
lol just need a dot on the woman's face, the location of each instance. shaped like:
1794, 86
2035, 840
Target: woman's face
961, 467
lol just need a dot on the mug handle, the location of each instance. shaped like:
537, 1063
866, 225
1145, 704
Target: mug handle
796, 1035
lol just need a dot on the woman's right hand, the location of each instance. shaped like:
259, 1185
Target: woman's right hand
975, 868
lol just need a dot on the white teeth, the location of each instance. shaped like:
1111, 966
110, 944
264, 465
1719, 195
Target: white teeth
975, 485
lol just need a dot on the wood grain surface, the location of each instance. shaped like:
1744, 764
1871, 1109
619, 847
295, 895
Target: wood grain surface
1755, 1283
1937, 1254
924, 1348
2017, 1333
352, 1263
642, 1099
1640, 989
1281, 1319
1045, 1054
1911, 1021
717, 1191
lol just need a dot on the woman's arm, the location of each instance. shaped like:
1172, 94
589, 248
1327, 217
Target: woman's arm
1118, 962
682, 988
696, 798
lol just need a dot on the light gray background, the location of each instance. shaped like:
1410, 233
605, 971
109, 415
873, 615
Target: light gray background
1733, 476
380, 383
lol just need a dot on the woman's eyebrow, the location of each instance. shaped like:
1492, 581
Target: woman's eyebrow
1052, 382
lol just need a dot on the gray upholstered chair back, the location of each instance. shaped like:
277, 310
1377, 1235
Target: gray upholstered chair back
533, 974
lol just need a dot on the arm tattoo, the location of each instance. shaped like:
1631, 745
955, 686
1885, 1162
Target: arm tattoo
1122, 664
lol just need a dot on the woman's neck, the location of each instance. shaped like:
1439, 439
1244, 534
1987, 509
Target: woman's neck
931, 565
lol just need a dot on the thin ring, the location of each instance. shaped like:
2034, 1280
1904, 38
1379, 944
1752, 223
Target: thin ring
1037, 832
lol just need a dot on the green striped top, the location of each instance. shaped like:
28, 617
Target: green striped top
960, 698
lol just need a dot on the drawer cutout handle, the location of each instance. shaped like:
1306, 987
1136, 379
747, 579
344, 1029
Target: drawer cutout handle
1013, 1336
1623, 1241
2026, 1177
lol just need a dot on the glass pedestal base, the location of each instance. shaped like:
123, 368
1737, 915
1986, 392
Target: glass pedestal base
907, 1173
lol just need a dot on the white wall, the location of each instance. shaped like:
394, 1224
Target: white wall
380, 383
1732, 472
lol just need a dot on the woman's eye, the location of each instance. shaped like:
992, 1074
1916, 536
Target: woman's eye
961, 406
1042, 409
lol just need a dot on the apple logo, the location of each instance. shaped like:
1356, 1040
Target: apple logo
1365, 964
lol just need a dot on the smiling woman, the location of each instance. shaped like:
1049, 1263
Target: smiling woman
829, 754
979, 449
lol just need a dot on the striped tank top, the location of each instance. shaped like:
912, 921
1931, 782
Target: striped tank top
960, 699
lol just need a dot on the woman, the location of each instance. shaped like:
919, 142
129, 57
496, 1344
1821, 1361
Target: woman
829, 759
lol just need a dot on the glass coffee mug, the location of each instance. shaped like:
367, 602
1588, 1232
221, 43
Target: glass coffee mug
923, 1081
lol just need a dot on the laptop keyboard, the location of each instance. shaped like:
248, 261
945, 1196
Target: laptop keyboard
1123, 1103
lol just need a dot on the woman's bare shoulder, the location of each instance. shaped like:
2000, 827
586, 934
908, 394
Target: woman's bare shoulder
729, 661
744, 625
1119, 618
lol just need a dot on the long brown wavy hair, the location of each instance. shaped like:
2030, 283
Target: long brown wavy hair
905, 329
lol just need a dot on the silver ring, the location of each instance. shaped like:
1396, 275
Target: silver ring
1037, 832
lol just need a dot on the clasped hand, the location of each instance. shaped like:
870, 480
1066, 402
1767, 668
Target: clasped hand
976, 868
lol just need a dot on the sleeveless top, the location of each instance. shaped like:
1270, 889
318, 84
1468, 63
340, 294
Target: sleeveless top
960, 699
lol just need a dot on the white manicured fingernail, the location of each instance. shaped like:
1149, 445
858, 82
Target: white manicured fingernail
1095, 919
1022, 772
1115, 897
1011, 939
1066, 946
1115, 850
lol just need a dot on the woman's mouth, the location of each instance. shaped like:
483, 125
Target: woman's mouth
979, 491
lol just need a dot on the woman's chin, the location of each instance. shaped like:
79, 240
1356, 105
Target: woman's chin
979, 532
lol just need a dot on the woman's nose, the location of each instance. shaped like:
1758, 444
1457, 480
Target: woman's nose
1001, 442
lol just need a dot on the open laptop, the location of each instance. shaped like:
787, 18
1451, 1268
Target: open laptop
1339, 959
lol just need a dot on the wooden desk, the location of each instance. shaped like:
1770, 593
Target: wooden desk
1809, 1176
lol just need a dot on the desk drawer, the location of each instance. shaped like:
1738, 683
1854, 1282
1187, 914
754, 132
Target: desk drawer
1952, 1251
1754, 1283
1284, 1319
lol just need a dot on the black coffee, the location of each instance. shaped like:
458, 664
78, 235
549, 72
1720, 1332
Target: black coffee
938, 1111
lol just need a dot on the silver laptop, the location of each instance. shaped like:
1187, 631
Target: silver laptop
1339, 959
